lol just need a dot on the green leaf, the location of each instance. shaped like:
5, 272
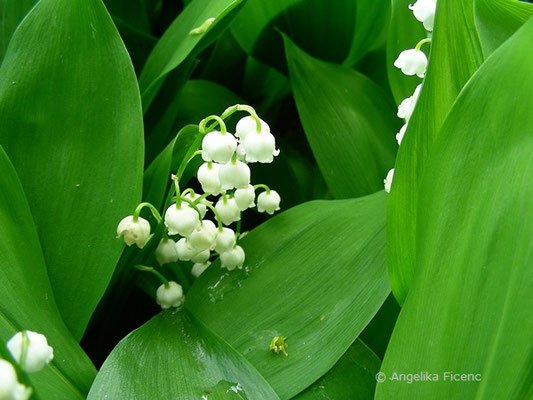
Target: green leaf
175, 356
178, 44
26, 299
350, 124
132, 12
497, 20
299, 283
353, 377
470, 303
455, 56
72, 126
11, 12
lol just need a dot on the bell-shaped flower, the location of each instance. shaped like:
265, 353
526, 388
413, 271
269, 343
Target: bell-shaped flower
268, 202
241, 153
181, 219
228, 210
233, 258
245, 198
412, 62
225, 240
199, 268
208, 176
218, 146
204, 237
166, 252
407, 106
424, 11
388, 180
185, 251
201, 257
400, 134
247, 125
200, 205
234, 174
136, 232
35, 348
260, 147
170, 296
10, 388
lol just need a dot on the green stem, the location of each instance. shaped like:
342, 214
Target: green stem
267, 189
423, 41
202, 197
191, 203
161, 277
139, 208
242, 107
217, 217
203, 124
238, 230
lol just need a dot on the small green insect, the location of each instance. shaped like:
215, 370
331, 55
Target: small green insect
279, 344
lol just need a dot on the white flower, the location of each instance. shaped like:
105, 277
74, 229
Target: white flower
185, 251
136, 232
412, 62
400, 135
233, 258
228, 210
201, 257
182, 219
248, 125
36, 349
171, 296
388, 180
241, 153
407, 106
208, 176
199, 268
245, 198
201, 205
260, 147
10, 388
225, 240
166, 252
218, 146
268, 201
204, 237
234, 174
424, 11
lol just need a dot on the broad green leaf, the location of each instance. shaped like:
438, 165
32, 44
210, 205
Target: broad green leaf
469, 309
353, 377
315, 274
139, 44
497, 20
175, 356
455, 56
178, 43
11, 13
71, 122
404, 33
26, 299
349, 122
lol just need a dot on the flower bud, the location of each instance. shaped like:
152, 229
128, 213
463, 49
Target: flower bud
166, 252
388, 180
218, 146
204, 237
208, 176
234, 175
248, 125
10, 388
225, 240
260, 147
268, 202
245, 198
199, 268
171, 296
424, 11
201, 205
228, 210
182, 219
185, 251
201, 257
412, 62
405, 109
400, 135
233, 258
34, 346
136, 232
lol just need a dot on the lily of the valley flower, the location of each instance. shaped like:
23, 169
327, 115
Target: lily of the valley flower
424, 11
181, 219
388, 180
185, 251
412, 62
30, 350
245, 198
199, 268
225, 240
201, 257
201, 205
166, 252
228, 210
218, 146
10, 388
208, 176
400, 134
268, 202
233, 258
170, 295
204, 237
234, 174
407, 106
260, 147
134, 231
247, 125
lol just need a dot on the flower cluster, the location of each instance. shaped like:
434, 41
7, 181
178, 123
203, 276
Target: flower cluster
31, 351
225, 179
413, 62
